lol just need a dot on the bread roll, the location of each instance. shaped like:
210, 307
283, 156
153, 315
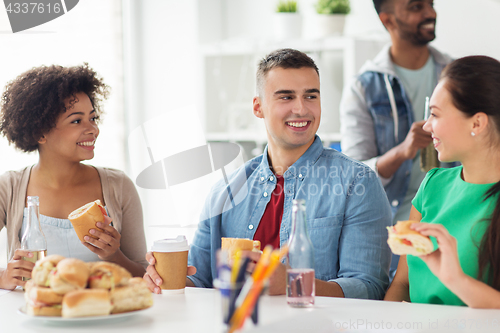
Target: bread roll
70, 274
41, 301
232, 245
135, 296
45, 311
41, 272
108, 275
85, 218
86, 302
403, 240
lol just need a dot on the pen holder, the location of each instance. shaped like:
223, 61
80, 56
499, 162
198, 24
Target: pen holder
229, 292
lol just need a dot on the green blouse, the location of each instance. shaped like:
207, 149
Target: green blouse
445, 198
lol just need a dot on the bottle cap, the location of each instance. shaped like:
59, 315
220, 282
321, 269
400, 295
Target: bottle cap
178, 244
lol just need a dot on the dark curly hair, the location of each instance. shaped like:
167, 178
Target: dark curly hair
32, 102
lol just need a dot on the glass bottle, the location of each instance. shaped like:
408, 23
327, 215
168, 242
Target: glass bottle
300, 286
428, 155
33, 238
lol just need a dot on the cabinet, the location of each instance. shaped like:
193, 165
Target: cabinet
228, 81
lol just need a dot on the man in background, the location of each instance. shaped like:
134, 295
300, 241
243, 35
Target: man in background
382, 110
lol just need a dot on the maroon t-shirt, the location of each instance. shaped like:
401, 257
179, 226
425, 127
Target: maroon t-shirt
268, 231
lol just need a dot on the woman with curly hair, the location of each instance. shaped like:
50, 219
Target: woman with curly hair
55, 110
461, 205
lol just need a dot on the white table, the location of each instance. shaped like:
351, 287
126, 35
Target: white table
198, 310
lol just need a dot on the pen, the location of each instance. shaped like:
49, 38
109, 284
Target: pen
236, 287
236, 265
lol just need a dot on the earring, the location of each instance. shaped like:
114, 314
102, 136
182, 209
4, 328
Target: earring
472, 133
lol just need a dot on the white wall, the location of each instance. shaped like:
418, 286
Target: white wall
161, 66
464, 27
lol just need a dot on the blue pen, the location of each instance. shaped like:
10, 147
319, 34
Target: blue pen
240, 279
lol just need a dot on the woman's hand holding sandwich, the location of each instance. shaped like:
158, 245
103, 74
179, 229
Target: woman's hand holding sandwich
443, 262
107, 244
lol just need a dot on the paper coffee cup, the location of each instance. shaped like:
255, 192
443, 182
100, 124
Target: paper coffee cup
171, 257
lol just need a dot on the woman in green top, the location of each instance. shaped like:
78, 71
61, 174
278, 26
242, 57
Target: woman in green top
461, 205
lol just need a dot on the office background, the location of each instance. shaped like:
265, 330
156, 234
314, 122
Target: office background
188, 66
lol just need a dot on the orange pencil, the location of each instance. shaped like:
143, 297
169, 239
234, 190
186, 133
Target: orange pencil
262, 263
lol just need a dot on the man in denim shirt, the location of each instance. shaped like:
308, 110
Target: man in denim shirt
347, 210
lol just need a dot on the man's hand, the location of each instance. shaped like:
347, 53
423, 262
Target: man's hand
416, 139
277, 281
17, 268
152, 277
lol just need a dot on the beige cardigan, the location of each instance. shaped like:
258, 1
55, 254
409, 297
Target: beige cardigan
120, 196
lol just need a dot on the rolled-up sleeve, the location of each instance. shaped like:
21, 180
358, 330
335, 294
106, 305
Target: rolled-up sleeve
357, 128
364, 256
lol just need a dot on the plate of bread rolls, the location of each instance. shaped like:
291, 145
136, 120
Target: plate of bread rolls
68, 289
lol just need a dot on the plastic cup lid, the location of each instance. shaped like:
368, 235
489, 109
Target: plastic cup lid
171, 245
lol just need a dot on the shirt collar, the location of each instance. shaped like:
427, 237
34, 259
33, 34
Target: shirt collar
299, 168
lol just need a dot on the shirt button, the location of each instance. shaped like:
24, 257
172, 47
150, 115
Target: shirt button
265, 194
271, 178
262, 179
394, 203
250, 227
300, 175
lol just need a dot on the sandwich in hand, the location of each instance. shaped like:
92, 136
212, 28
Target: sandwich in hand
70, 274
403, 240
86, 302
108, 275
134, 296
41, 272
41, 301
232, 245
85, 218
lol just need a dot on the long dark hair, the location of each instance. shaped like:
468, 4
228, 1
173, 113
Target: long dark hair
474, 85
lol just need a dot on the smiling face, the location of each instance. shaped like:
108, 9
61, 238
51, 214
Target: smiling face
451, 128
75, 132
290, 107
414, 21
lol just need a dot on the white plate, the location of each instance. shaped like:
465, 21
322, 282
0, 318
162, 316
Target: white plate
22, 311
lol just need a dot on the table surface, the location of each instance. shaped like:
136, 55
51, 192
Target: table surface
198, 310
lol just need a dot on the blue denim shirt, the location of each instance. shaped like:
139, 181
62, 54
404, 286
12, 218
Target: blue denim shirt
379, 107
367, 122
347, 215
